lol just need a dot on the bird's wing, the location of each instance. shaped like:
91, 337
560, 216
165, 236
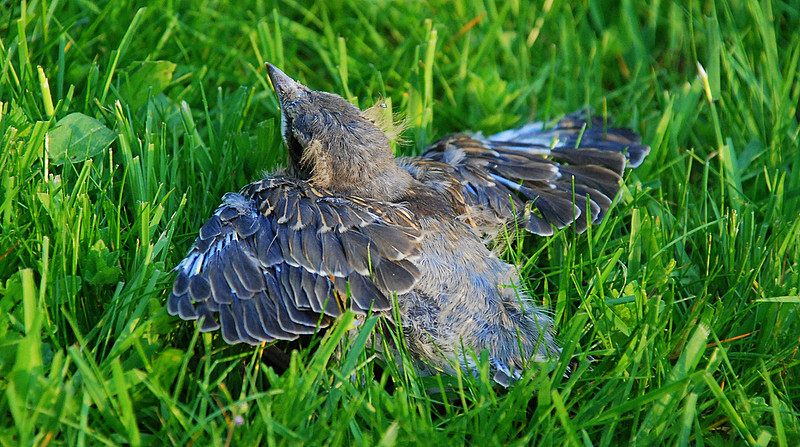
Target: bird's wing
281, 258
531, 177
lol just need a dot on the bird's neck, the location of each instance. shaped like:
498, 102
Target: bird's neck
381, 181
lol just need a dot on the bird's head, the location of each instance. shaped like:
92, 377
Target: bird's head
331, 143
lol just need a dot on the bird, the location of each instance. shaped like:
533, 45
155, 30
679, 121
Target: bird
349, 226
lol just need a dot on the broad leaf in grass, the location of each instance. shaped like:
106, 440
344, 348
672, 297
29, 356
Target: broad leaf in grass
167, 365
149, 79
77, 137
102, 265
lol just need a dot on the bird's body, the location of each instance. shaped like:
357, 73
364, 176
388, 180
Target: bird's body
350, 225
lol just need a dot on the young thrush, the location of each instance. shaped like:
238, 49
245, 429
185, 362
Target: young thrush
347, 224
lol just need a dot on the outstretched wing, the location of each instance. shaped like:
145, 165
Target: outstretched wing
540, 179
281, 258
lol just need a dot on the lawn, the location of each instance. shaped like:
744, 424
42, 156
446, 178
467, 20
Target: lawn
122, 124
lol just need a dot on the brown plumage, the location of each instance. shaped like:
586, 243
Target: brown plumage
348, 225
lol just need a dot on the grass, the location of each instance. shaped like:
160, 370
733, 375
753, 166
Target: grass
686, 297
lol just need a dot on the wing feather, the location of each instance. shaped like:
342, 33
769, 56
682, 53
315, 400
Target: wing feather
533, 177
280, 258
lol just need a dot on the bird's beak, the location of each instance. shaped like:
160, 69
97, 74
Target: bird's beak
285, 87
287, 90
